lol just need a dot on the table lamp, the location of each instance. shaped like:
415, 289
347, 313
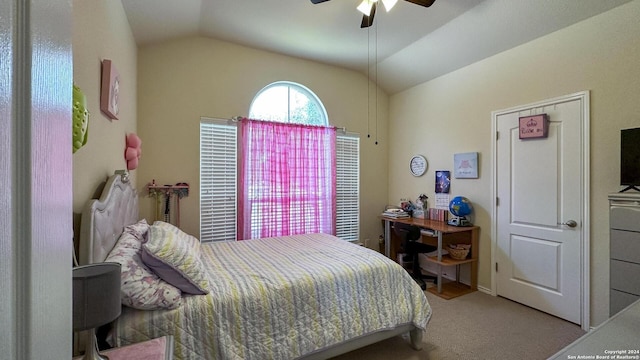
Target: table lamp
96, 301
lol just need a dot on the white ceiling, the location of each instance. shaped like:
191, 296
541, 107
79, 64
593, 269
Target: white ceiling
412, 44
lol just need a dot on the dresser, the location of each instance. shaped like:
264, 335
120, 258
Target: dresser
624, 222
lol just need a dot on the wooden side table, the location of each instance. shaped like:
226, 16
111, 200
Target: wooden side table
155, 349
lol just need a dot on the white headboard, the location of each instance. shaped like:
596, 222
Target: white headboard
104, 219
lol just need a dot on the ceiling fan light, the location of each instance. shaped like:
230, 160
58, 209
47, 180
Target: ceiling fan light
365, 7
389, 4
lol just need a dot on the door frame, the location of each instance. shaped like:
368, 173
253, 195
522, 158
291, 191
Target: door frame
585, 242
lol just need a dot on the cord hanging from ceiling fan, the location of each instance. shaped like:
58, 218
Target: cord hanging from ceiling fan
375, 82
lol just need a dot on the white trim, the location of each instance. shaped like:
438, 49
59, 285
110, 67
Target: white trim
585, 267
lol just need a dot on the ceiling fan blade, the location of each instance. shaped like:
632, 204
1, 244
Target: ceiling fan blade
318, 1
425, 3
368, 20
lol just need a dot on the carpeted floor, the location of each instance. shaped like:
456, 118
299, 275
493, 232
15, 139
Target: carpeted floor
479, 326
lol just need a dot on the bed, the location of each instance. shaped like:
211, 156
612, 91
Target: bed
310, 296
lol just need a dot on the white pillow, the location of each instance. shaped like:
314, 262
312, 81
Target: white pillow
141, 288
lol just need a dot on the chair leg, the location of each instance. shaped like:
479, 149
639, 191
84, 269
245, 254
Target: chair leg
417, 272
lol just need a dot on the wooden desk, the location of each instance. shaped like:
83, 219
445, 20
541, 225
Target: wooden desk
443, 234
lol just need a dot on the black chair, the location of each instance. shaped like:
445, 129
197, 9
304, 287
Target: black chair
409, 234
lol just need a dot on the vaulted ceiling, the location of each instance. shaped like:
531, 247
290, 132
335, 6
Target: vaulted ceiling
406, 46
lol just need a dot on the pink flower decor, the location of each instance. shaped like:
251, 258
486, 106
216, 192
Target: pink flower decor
133, 151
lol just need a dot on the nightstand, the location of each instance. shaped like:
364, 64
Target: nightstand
156, 349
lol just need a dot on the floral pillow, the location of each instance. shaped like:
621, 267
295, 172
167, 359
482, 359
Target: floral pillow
139, 230
141, 288
175, 257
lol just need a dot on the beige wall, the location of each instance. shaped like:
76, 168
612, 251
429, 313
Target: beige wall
183, 80
101, 31
452, 114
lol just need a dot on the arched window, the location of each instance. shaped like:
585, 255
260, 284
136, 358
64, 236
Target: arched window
288, 102
281, 101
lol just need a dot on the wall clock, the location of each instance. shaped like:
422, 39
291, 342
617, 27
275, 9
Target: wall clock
418, 165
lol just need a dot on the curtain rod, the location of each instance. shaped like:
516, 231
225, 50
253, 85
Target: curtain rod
238, 118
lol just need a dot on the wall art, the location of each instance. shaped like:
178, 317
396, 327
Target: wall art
465, 165
110, 90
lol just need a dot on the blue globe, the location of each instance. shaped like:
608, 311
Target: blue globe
460, 206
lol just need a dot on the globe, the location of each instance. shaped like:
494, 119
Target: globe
460, 206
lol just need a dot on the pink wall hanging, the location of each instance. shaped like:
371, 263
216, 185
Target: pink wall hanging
133, 151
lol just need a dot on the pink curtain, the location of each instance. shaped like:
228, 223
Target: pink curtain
287, 179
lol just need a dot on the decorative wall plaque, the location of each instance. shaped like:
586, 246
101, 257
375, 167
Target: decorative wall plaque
533, 127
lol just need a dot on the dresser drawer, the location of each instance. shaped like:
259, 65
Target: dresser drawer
624, 217
624, 277
625, 245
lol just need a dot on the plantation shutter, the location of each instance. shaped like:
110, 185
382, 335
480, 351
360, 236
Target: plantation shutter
348, 187
218, 180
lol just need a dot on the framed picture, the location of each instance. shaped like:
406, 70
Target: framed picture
443, 181
110, 90
465, 165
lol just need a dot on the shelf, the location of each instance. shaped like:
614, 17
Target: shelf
448, 261
450, 290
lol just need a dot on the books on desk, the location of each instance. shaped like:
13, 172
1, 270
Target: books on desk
437, 214
396, 213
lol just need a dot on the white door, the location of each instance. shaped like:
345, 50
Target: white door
36, 199
540, 210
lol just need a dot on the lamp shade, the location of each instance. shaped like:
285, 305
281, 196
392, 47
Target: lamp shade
96, 295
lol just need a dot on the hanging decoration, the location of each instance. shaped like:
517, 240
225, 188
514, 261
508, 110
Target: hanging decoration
80, 122
534, 127
133, 151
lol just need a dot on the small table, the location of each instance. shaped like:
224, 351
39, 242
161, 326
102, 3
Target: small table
156, 349
445, 234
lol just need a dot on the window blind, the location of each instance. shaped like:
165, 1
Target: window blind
218, 180
348, 187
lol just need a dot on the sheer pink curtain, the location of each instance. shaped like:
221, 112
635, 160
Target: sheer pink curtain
287, 179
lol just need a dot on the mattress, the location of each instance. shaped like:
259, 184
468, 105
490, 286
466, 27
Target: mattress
282, 298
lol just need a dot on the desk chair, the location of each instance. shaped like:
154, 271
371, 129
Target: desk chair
409, 234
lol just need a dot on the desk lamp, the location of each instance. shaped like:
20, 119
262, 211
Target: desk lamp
96, 301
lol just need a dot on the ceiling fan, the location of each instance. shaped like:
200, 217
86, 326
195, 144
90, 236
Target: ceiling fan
368, 8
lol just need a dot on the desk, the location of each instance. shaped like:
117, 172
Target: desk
445, 234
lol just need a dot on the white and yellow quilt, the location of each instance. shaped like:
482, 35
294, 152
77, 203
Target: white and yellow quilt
282, 298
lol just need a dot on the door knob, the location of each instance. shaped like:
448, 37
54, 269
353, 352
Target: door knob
570, 223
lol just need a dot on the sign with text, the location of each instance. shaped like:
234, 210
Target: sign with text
533, 127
